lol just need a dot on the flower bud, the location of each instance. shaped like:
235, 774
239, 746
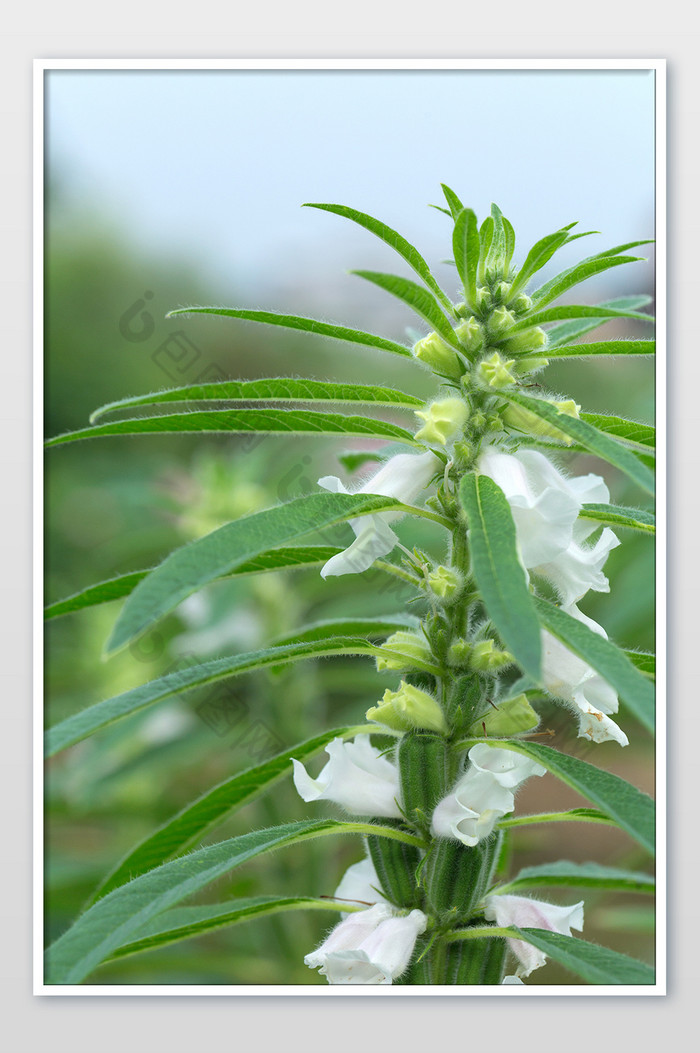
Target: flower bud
521, 304
524, 420
459, 652
503, 291
445, 583
501, 319
402, 651
470, 334
408, 708
495, 371
511, 717
483, 297
529, 340
443, 419
494, 423
485, 659
437, 354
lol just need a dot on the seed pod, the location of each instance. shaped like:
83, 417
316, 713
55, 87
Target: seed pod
475, 961
423, 771
456, 875
395, 863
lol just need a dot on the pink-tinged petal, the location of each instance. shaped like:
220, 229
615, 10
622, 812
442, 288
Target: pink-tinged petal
534, 914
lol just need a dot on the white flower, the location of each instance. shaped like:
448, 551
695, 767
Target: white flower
568, 677
531, 913
403, 477
369, 947
357, 777
360, 884
483, 795
545, 507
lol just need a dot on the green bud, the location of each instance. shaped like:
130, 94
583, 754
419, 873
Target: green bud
521, 304
412, 648
443, 420
396, 865
423, 772
478, 421
445, 582
456, 876
437, 354
529, 340
512, 717
459, 652
483, 297
494, 423
501, 319
408, 708
486, 659
503, 291
470, 334
495, 371
525, 420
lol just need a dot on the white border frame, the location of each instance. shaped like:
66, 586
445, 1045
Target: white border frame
41, 66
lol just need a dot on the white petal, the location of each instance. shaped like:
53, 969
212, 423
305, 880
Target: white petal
374, 540
349, 933
471, 811
404, 476
507, 767
530, 913
356, 776
512, 980
577, 570
360, 883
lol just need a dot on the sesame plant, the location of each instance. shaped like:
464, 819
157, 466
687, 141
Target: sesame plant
424, 783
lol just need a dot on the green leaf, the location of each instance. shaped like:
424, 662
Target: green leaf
274, 559
354, 459
87, 721
563, 334
195, 820
631, 431
557, 286
596, 965
243, 421
378, 626
539, 254
554, 314
418, 299
497, 570
465, 245
642, 660
497, 249
573, 815
631, 809
486, 235
509, 235
307, 325
604, 347
452, 200
591, 438
119, 917
616, 515
579, 875
182, 923
634, 689
404, 248
274, 389
191, 567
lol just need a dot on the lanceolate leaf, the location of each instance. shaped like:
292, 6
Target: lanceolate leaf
615, 515
645, 662
189, 568
568, 331
86, 722
579, 875
182, 923
377, 626
588, 436
193, 822
307, 325
556, 287
452, 200
102, 592
539, 254
395, 240
631, 431
634, 689
465, 245
604, 347
498, 572
118, 918
243, 421
275, 389
596, 965
555, 314
631, 809
417, 298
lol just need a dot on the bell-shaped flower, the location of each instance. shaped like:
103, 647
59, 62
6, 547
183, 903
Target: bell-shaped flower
403, 477
360, 885
531, 913
568, 677
357, 777
444, 420
369, 947
545, 507
408, 708
483, 795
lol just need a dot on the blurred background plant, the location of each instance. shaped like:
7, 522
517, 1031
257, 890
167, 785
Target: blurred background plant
121, 504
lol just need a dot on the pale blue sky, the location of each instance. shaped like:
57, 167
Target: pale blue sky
214, 165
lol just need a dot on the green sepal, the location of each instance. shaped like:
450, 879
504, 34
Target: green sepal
424, 773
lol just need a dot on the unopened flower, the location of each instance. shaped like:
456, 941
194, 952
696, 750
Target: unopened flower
407, 708
483, 795
443, 420
403, 477
495, 371
369, 947
357, 777
531, 913
568, 677
525, 420
401, 651
438, 354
